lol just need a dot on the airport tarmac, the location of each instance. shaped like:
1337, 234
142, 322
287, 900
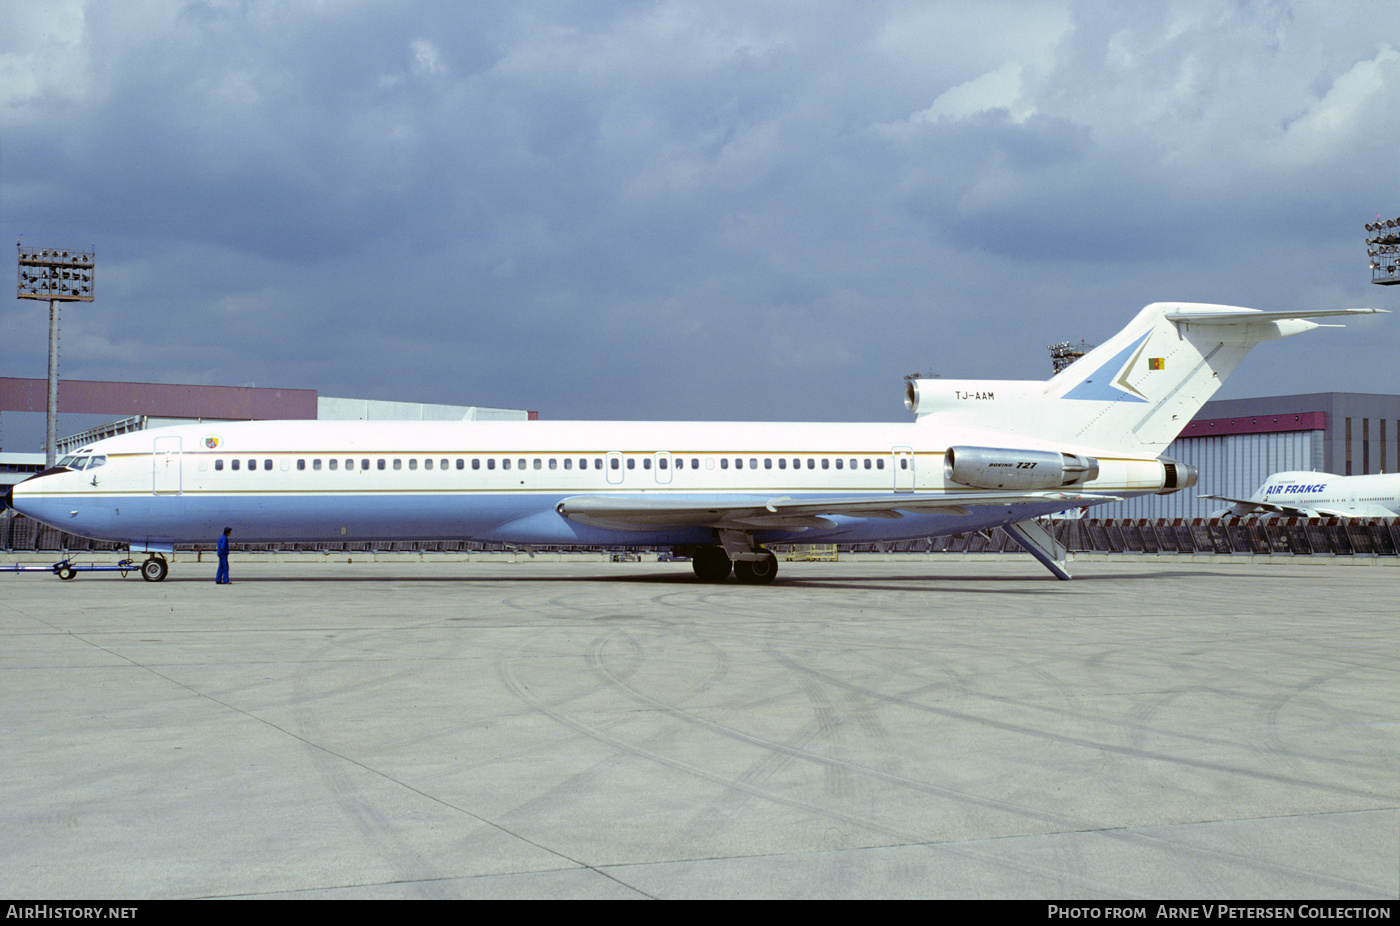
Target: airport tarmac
615, 730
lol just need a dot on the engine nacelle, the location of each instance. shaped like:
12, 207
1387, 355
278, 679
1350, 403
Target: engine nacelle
999, 468
1176, 476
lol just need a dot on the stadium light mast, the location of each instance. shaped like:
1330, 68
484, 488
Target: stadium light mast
1383, 250
1065, 353
58, 276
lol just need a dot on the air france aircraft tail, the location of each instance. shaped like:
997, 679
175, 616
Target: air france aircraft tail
1133, 393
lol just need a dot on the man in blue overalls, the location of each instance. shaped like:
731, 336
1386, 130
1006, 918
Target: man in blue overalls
221, 577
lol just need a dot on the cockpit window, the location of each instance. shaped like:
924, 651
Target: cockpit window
82, 460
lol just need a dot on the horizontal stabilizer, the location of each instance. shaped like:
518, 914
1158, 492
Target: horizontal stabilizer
1230, 315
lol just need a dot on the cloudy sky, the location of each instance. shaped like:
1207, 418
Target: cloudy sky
694, 210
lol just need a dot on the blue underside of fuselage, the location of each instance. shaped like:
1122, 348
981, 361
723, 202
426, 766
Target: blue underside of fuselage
517, 519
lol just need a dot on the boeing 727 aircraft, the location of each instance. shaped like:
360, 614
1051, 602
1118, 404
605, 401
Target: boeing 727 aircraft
980, 454
1319, 495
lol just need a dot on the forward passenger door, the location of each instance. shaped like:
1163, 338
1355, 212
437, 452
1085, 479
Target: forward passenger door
165, 476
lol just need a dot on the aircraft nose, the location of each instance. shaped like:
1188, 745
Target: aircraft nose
8, 499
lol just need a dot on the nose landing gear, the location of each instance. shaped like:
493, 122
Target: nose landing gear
155, 568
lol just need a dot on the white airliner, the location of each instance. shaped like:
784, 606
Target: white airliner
980, 454
1319, 495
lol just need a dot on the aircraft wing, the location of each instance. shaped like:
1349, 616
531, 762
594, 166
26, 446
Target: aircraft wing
1290, 510
786, 513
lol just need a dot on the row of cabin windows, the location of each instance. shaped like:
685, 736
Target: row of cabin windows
568, 463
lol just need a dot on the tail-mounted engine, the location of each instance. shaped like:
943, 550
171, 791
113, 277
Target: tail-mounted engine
1176, 476
998, 468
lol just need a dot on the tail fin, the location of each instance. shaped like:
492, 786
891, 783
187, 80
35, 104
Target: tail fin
1135, 392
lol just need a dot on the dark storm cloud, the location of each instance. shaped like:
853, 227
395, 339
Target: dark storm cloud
672, 209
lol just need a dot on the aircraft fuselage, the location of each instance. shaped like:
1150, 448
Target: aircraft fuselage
502, 481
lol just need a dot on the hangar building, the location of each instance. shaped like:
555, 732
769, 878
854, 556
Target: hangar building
1238, 443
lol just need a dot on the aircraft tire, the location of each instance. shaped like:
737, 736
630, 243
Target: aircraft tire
154, 569
756, 572
711, 564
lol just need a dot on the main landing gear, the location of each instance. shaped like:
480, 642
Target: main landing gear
712, 564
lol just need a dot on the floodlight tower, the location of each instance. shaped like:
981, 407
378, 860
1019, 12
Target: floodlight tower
58, 276
1383, 248
1065, 353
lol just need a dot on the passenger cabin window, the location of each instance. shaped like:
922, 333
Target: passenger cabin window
379, 464
412, 464
334, 464
234, 464
219, 465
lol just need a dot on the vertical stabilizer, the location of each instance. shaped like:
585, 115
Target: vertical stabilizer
1133, 393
